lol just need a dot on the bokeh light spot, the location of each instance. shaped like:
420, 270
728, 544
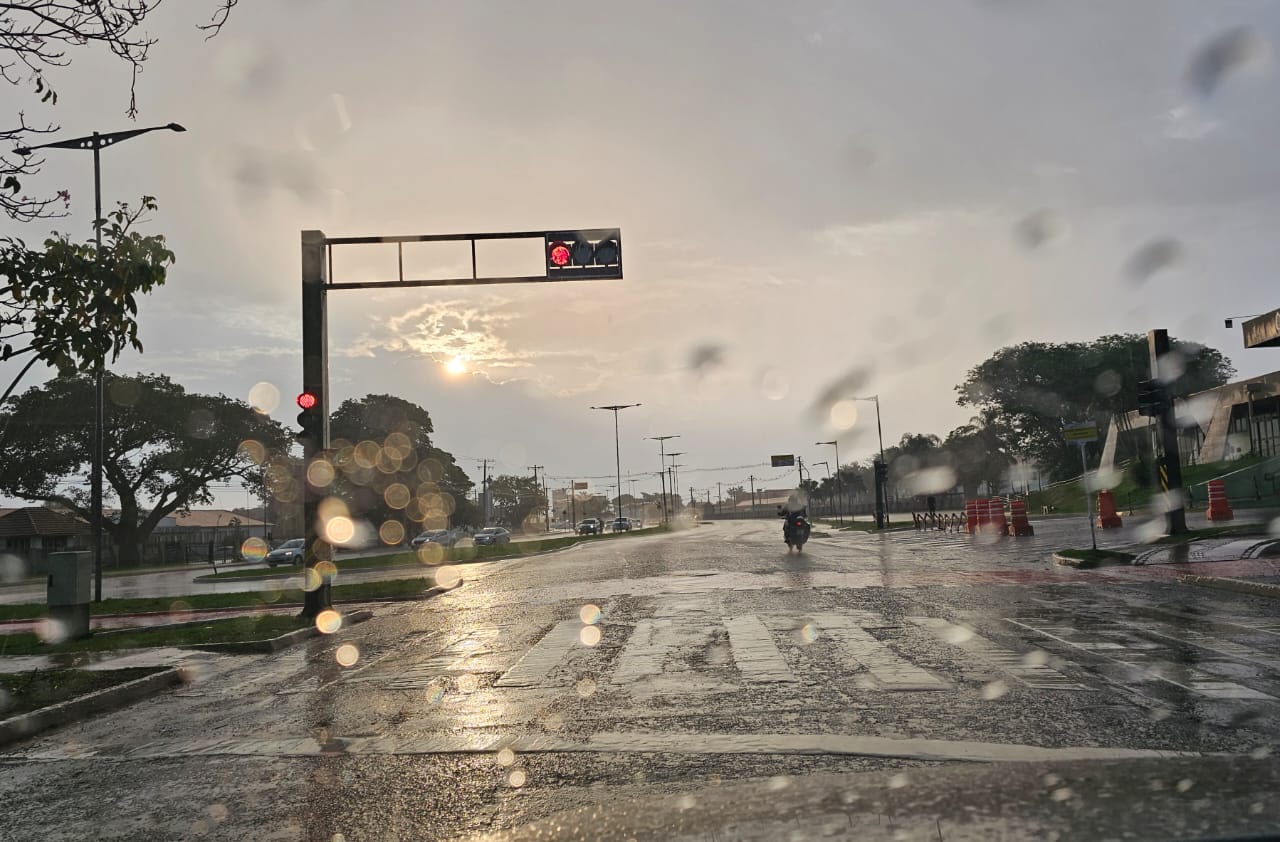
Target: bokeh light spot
517, 778
590, 635
506, 757
844, 414
347, 655
254, 549
431, 553
264, 398
339, 530
328, 621
448, 576
391, 532
589, 614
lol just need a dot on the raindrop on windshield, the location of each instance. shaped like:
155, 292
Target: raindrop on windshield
1040, 228
1153, 257
1227, 54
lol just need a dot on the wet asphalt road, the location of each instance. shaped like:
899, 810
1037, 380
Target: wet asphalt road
667, 666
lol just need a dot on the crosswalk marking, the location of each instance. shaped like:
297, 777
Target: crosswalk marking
645, 651
532, 669
1036, 675
890, 671
1204, 641
1137, 654
754, 652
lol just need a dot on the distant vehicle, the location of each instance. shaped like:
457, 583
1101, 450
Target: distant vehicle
622, 524
290, 552
591, 526
492, 535
444, 537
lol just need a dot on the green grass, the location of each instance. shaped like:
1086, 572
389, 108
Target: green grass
233, 630
1092, 558
456, 555
247, 599
1068, 498
27, 691
1214, 532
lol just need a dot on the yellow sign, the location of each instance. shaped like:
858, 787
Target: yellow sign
1080, 433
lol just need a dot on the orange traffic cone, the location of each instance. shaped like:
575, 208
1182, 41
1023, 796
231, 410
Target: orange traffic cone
1219, 508
1107, 517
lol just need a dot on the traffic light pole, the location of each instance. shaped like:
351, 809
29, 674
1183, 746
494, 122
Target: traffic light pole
315, 381
1170, 463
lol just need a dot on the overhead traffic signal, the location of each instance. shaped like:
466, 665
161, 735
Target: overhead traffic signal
589, 254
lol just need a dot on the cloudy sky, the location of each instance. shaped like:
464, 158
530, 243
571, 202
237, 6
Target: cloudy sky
816, 199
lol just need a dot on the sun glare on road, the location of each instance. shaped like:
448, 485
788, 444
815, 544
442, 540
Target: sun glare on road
456, 367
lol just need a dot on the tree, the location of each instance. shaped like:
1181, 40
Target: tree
68, 306
978, 454
35, 36
518, 501
1033, 389
162, 449
387, 469
737, 494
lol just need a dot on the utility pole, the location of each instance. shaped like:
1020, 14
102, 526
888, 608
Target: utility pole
719, 500
839, 482
671, 482
753, 495
484, 485
662, 458
675, 475
1170, 464
662, 477
535, 469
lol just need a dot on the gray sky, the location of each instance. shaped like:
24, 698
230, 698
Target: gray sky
806, 191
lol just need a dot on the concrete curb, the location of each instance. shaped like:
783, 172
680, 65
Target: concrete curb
1223, 583
28, 724
275, 644
1077, 563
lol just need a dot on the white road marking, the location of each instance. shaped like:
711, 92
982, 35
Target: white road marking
1013, 664
890, 671
645, 652
1137, 655
532, 669
754, 652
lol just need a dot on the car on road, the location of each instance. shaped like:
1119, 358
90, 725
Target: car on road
491, 536
444, 537
290, 552
591, 526
622, 524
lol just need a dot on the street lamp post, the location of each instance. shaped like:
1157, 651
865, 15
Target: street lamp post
880, 495
662, 458
839, 482
675, 476
617, 447
95, 143
826, 465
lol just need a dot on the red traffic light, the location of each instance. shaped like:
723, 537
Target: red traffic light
306, 400
559, 255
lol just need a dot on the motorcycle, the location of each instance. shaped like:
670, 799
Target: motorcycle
795, 530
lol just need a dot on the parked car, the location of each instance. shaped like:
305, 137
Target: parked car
444, 537
492, 535
622, 524
591, 526
290, 552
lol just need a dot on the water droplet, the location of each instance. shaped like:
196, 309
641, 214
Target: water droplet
1152, 257
347, 655
686, 802
1185, 784
957, 634
1035, 658
218, 812
1225, 55
589, 614
467, 683
264, 398
590, 635
1040, 228
773, 385
1051, 779
808, 633
254, 549
994, 690
1108, 383
899, 780
1062, 793
505, 757
705, 358
448, 577
1260, 752
517, 778
586, 688
338, 530
779, 782
843, 414
328, 621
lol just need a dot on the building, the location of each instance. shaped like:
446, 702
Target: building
31, 533
1217, 425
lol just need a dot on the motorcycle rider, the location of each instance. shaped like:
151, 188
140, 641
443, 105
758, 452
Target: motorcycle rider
795, 508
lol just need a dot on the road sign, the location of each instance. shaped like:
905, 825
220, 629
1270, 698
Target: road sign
1262, 331
1080, 433
787, 461
580, 486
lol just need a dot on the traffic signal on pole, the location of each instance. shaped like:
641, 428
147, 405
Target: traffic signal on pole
310, 419
882, 471
590, 254
1152, 400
